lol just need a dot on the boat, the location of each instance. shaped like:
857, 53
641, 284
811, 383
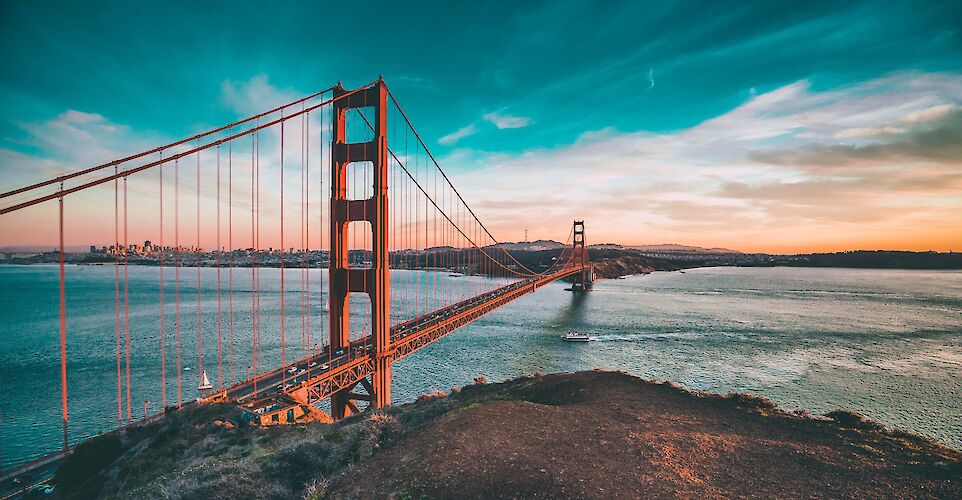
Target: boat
575, 337
205, 384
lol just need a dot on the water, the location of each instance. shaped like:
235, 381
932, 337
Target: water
885, 343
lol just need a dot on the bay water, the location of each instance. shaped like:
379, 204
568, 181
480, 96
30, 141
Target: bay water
884, 343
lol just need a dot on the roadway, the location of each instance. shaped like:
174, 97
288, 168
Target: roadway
327, 363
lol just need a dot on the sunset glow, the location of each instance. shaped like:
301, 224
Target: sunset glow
806, 136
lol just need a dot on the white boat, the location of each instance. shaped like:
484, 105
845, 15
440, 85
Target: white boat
205, 384
575, 337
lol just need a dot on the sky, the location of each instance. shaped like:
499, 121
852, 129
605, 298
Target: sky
758, 126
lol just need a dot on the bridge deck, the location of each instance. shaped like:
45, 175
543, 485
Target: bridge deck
316, 377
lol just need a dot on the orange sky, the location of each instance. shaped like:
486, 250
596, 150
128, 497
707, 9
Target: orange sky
875, 165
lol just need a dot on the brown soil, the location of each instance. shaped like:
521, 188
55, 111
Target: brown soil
610, 435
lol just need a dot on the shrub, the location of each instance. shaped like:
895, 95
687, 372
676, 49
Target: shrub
750, 401
316, 488
382, 418
853, 420
81, 472
436, 393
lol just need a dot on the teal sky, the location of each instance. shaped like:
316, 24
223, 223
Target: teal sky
505, 84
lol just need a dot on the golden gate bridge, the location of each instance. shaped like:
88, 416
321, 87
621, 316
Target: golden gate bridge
370, 197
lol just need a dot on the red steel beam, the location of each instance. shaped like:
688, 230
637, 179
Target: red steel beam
347, 375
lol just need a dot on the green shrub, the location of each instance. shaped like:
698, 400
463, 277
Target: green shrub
852, 420
81, 473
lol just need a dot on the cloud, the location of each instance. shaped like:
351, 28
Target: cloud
503, 121
416, 82
792, 169
459, 134
499, 120
787, 170
936, 140
931, 113
255, 95
867, 132
73, 140
81, 137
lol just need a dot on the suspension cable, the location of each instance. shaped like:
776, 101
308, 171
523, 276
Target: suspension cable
448, 180
66, 177
438, 208
97, 182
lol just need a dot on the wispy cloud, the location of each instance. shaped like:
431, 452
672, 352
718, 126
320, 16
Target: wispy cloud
74, 139
459, 134
783, 171
255, 95
503, 121
792, 169
498, 119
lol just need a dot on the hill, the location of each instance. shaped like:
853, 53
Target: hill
674, 247
581, 435
876, 259
533, 246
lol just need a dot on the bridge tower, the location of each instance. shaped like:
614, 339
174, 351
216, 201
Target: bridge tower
584, 280
344, 280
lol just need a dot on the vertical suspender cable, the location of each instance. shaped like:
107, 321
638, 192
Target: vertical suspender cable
63, 333
253, 260
120, 404
199, 256
230, 259
306, 126
434, 242
283, 315
323, 228
177, 278
301, 248
126, 304
160, 255
300, 251
257, 246
217, 250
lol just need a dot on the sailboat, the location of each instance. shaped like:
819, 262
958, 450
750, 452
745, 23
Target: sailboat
205, 384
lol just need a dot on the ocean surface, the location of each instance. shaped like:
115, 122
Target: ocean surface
884, 343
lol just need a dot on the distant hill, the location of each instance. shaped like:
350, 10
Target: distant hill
533, 246
874, 259
673, 247
666, 248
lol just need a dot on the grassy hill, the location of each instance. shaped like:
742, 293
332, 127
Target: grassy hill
581, 435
